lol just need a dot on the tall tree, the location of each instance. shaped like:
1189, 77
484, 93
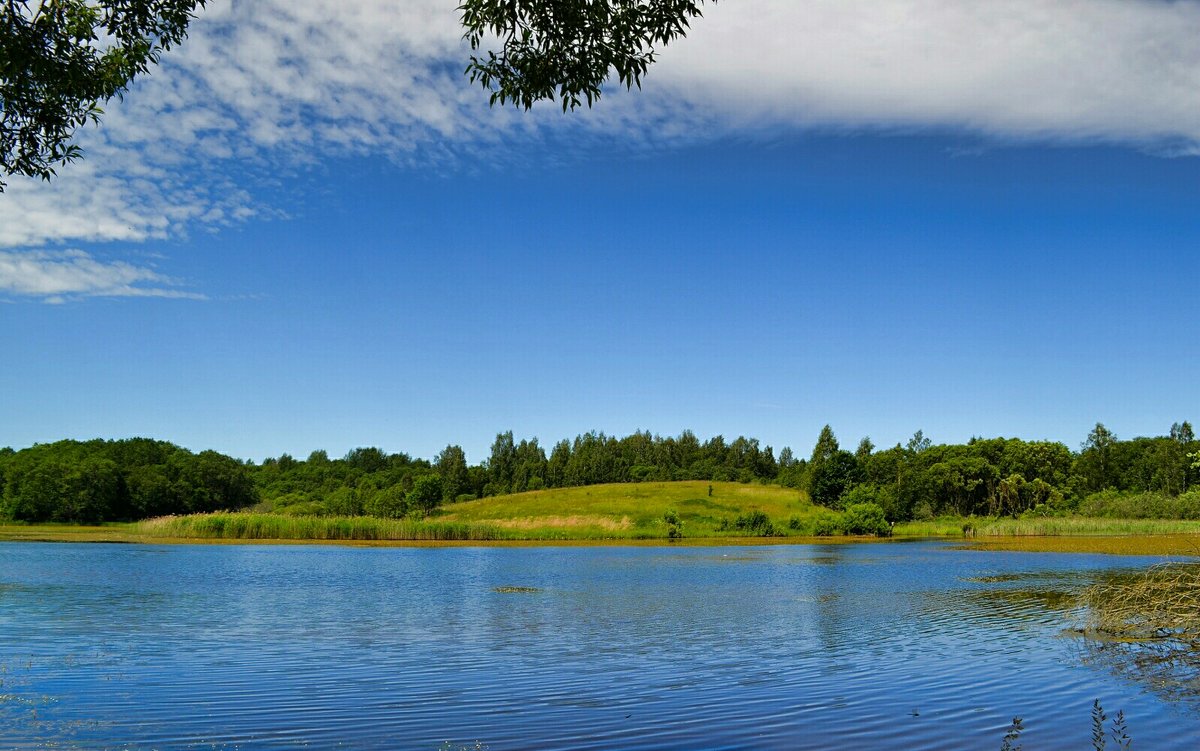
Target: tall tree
1182, 433
452, 466
1096, 457
827, 445
918, 443
502, 463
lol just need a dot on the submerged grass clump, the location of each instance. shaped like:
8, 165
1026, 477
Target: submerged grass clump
1162, 602
253, 526
1146, 626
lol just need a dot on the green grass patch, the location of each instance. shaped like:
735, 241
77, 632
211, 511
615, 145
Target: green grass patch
632, 511
253, 526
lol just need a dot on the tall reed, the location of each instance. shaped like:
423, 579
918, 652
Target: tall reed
254, 526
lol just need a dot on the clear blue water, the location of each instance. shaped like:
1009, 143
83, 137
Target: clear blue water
886, 646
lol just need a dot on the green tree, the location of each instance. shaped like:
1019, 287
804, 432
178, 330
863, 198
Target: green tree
918, 442
830, 479
1096, 458
502, 464
864, 450
426, 493
827, 445
61, 59
388, 503
452, 466
1182, 433
568, 48
368, 459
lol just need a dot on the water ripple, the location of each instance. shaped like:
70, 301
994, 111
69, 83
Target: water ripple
817, 647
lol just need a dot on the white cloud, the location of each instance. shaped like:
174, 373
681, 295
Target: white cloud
260, 87
57, 276
1115, 70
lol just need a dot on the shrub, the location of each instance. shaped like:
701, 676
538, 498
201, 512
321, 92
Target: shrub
757, 524
303, 508
828, 524
674, 525
866, 519
1116, 505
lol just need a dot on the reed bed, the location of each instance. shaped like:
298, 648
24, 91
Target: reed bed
254, 526
952, 527
1076, 525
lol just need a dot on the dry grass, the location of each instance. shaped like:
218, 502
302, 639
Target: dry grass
577, 521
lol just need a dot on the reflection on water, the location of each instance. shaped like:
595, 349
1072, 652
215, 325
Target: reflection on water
798, 647
1145, 626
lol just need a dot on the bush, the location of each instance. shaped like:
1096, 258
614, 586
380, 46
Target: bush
866, 519
757, 524
303, 508
674, 525
1116, 505
829, 524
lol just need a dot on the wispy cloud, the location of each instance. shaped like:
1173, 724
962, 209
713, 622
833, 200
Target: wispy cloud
262, 87
58, 276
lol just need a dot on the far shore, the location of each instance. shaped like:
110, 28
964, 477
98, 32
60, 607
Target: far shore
1172, 544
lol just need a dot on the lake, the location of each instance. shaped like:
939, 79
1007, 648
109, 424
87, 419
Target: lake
885, 646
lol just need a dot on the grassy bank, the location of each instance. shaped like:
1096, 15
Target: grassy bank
251, 526
697, 512
634, 511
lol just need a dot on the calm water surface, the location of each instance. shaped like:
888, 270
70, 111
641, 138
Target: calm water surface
893, 646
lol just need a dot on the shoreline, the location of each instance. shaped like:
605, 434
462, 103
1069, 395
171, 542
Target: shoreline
1173, 544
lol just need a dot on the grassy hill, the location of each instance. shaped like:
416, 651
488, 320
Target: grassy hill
632, 511
635, 510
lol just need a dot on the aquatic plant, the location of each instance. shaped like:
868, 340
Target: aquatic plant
1117, 731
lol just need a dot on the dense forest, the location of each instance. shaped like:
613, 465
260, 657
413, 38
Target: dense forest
92, 481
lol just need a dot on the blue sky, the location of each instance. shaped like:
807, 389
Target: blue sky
292, 276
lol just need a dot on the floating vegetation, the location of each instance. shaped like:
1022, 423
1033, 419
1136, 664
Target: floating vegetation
993, 578
1146, 626
516, 590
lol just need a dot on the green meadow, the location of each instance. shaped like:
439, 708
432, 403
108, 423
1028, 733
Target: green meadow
639, 510
692, 511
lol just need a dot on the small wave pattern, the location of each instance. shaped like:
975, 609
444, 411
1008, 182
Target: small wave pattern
799, 647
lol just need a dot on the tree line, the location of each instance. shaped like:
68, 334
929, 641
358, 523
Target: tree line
95, 481
91, 481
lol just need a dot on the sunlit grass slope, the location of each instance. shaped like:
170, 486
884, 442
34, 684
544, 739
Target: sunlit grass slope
633, 510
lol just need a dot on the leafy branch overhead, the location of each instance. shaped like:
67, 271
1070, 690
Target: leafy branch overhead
568, 48
61, 59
